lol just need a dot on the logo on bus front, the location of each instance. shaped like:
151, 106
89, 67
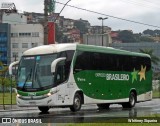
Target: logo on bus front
32, 94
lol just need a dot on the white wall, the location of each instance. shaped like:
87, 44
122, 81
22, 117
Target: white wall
96, 39
21, 36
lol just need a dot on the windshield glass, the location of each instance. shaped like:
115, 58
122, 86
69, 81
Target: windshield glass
34, 72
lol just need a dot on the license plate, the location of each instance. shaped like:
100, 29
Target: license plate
32, 103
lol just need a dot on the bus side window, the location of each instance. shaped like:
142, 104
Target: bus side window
66, 68
60, 72
69, 54
82, 61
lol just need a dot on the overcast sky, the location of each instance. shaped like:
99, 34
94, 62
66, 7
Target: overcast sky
144, 11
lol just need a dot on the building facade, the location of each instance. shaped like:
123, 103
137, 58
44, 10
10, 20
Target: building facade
14, 18
23, 37
97, 39
5, 43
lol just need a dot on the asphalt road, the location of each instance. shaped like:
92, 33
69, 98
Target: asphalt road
88, 113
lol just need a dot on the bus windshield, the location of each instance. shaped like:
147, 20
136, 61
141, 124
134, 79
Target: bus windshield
34, 72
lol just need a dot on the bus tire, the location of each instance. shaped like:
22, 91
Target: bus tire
103, 106
43, 109
77, 103
132, 101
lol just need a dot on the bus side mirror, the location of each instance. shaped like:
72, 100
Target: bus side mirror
54, 64
11, 66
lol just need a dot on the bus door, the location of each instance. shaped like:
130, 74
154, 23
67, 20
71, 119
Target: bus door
60, 80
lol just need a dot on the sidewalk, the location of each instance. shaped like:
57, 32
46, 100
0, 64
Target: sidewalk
15, 108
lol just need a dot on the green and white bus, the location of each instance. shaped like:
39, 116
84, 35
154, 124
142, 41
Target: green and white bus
69, 75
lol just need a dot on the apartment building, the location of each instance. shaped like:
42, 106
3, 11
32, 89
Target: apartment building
25, 36
16, 36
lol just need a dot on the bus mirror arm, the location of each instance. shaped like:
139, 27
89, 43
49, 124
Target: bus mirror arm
54, 64
11, 66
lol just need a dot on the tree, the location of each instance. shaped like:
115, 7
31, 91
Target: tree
151, 32
145, 39
154, 59
148, 32
3, 71
126, 36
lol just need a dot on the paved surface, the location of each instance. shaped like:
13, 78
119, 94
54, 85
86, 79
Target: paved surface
15, 108
88, 113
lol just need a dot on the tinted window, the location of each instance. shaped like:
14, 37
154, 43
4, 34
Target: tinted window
69, 56
83, 61
110, 62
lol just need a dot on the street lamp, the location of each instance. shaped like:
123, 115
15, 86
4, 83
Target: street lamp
100, 18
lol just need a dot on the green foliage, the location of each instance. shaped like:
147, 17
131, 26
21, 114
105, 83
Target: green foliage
145, 39
7, 98
151, 32
156, 94
126, 36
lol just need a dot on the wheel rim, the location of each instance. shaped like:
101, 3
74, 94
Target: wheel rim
132, 100
77, 103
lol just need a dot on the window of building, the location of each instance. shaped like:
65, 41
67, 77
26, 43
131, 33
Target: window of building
3, 36
14, 34
15, 54
14, 45
24, 45
34, 44
35, 34
27, 34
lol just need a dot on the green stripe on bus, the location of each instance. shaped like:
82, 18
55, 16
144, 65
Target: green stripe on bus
38, 93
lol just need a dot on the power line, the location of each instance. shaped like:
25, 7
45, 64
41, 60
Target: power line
91, 11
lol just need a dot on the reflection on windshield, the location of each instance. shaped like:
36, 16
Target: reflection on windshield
35, 72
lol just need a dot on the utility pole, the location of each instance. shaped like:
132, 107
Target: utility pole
45, 25
49, 8
100, 18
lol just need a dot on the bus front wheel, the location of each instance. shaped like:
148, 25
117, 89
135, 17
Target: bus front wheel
43, 109
132, 101
77, 103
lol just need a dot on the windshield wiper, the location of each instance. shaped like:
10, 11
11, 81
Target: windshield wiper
28, 76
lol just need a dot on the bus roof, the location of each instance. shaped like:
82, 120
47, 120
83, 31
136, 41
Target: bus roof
49, 49
54, 48
110, 50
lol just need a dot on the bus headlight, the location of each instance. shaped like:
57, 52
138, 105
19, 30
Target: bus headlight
18, 95
49, 94
52, 92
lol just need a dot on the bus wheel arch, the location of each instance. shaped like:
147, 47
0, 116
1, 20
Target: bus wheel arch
132, 99
78, 100
43, 109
